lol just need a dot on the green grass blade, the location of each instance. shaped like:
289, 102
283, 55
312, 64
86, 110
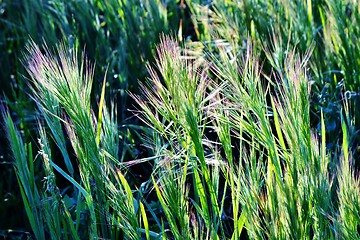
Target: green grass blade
100, 114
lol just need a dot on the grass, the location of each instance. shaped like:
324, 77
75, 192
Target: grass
118, 35
251, 132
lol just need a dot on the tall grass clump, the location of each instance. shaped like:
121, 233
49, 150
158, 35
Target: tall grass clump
95, 205
174, 105
235, 154
265, 172
251, 132
119, 35
290, 163
328, 27
69, 83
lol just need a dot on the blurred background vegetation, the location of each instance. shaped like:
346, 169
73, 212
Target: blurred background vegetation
120, 36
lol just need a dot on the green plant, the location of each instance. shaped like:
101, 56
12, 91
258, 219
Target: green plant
120, 35
243, 127
176, 111
277, 176
61, 86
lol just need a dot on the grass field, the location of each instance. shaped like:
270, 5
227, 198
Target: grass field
180, 119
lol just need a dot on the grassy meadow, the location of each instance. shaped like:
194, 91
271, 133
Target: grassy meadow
180, 119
